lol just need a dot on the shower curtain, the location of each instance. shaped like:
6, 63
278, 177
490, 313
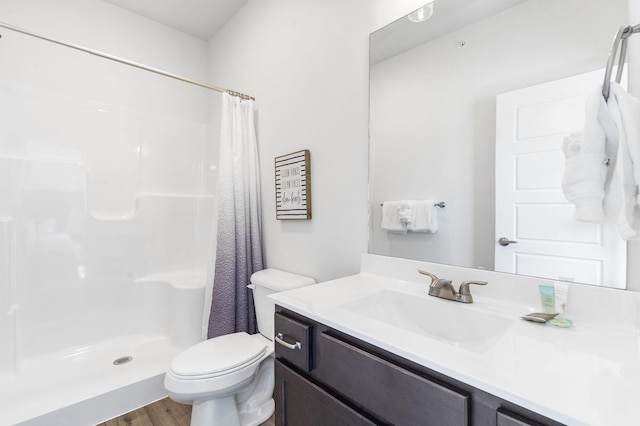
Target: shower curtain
239, 243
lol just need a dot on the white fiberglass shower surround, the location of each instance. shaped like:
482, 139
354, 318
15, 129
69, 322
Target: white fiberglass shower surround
107, 179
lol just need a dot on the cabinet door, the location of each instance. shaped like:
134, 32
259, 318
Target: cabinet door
300, 402
387, 390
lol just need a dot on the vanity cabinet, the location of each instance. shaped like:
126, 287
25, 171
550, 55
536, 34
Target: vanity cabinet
326, 377
302, 402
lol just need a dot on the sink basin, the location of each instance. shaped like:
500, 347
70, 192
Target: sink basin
451, 322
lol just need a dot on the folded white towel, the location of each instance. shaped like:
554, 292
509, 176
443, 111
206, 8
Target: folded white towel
405, 211
395, 216
424, 217
624, 109
572, 144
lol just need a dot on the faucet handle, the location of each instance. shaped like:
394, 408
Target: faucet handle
434, 279
465, 293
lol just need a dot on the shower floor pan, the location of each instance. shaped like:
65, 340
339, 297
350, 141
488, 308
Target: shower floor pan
88, 385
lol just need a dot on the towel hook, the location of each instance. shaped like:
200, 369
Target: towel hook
621, 38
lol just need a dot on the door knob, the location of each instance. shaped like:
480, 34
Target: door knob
504, 241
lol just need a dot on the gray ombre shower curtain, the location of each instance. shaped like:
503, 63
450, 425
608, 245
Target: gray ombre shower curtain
239, 245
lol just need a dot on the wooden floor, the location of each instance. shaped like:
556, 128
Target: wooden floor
162, 413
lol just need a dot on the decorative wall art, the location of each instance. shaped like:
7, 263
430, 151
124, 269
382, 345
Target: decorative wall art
293, 185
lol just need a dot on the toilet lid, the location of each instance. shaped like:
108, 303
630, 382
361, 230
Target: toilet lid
218, 355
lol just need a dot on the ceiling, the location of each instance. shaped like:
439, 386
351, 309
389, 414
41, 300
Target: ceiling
448, 16
200, 18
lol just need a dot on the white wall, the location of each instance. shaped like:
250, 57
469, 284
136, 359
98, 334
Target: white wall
101, 26
307, 65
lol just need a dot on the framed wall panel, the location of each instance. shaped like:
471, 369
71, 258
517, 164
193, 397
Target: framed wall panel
293, 185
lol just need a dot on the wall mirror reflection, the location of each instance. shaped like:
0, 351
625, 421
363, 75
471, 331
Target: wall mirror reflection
471, 106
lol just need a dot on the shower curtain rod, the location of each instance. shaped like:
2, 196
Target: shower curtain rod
126, 62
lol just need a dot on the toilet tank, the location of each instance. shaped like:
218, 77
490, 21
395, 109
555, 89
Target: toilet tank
266, 282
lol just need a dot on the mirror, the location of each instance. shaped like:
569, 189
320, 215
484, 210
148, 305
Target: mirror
434, 87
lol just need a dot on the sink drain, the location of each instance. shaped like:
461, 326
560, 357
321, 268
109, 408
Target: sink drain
122, 360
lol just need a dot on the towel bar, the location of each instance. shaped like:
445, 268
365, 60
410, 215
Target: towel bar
440, 204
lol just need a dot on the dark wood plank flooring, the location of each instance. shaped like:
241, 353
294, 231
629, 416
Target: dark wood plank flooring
161, 413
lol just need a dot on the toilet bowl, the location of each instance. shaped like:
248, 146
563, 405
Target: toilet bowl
229, 380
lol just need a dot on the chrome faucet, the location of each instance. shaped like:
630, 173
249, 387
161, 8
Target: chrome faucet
443, 288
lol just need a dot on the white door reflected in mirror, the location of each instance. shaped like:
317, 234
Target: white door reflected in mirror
531, 125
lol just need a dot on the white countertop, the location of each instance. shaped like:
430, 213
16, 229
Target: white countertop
585, 375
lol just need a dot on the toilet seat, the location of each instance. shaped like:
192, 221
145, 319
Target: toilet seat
218, 356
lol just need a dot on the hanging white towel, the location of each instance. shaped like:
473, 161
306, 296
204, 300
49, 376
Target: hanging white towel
424, 217
405, 211
395, 216
585, 174
624, 109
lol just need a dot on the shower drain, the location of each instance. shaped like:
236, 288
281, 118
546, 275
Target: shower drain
122, 360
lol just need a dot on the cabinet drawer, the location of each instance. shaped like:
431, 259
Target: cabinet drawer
385, 389
293, 341
300, 402
506, 418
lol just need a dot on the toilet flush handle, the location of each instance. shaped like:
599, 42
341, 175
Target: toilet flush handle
281, 341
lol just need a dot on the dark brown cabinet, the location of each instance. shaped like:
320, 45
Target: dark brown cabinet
386, 389
506, 418
325, 377
303, 403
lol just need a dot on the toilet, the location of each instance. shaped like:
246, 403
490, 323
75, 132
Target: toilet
229, 380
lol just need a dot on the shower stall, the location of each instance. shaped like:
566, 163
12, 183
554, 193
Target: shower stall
107, 230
